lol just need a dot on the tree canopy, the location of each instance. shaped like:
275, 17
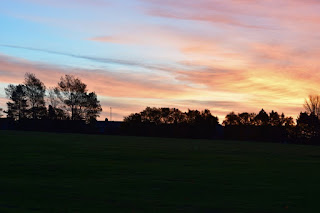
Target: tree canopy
260, 119
159, 116
68, 100
18, 106
72, 92
312, 105
35, 92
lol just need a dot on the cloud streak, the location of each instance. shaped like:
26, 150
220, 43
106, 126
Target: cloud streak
125, 89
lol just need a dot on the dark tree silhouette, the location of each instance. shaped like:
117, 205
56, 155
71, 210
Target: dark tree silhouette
246, 118
1, 110
35, 92
231, 119
56, 109
274, 119
133, 118
249, 126
92, 107
307, 129
262, 118
286, 121
171, 122
17, 108
72, 92
312, 105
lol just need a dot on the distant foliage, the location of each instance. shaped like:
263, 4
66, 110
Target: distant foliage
72, 93
18, 105
260, 119
68, 101
171, 122
56, 109
259, 127
312, 105
307, 130
27, 100
35, 92
159, 116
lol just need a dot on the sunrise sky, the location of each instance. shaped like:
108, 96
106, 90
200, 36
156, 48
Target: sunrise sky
224, 55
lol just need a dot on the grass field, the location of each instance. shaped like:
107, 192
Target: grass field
47, 172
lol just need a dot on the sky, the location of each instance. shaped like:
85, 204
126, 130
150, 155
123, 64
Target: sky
222, 55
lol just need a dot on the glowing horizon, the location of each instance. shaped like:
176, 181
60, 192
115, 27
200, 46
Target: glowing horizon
233, 55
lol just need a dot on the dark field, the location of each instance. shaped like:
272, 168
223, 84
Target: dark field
47, 172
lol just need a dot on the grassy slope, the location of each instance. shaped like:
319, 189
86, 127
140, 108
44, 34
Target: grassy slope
46, 172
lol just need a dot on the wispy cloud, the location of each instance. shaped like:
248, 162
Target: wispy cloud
119, 84
71, 3
97, 59
225, 90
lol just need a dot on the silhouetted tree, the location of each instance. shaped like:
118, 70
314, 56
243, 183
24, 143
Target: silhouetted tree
151, 115
72, 92
262, 118
274, 119
286, 121
249, 126
134, 118
246, 118
231, 119
17, 108
1, 110
92, 107
208, 119
171, 122
193, 116
308, 128
312, 105
56, 109
35, 92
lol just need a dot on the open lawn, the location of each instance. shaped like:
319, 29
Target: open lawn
48, 172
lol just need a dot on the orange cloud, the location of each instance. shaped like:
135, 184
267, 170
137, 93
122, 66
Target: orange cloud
113, 39
220, 90
104, 82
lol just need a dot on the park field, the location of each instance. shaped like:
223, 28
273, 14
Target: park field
49, 172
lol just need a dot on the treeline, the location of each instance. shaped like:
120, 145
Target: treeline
171, 122
260, 119
307, 130
260, 127
69, 100
272, 126
275, 127
70, 107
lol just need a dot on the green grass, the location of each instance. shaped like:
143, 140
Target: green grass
47, 172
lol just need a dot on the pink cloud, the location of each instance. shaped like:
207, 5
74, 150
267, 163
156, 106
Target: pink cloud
71, 3
224, 91
112, 39
103, 82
